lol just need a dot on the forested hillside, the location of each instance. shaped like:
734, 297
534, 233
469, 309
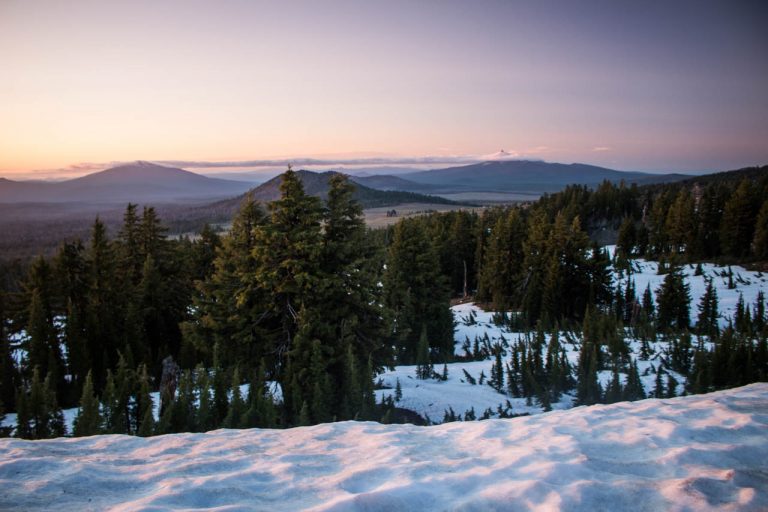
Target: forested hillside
308, 306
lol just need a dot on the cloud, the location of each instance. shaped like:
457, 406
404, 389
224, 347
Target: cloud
302, 161
419, 162
601, 148
70, 171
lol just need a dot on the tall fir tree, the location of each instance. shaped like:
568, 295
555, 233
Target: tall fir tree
424, 367
707, 322
88, 420
738, 220
287, 255
9, 375
760, 241
674, 299
227, 307
416, 293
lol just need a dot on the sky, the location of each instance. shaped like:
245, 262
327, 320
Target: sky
653, 86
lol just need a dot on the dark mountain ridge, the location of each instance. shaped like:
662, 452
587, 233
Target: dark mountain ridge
137, 182
317, 184
390, 182
527, 176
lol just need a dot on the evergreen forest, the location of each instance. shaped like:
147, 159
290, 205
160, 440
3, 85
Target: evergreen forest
307, 305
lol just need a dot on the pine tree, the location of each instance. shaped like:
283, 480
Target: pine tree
742, 319
658, 387
497, 370
626, 241
648, 306
43, 344
287, 252
9, 376
72, 271
304, 418
738, 220
588, 391
674, 301
150, 341
369, 396
707, 323
37, 408
416, 293
348, 296
709, 214
4, 431
261, 408
220, 389
321, 387
88, 420
206, 417
679, 227
102, 329
45, 418
353, 392
111, 406
424, 368
671, 386
614, 391
226, 309
117, 397
147, 427
57, 426
634, 387
759, 313
144, 418
23, 419
204, 250
129, 252
503, 259
236, 404
760, 241
184, 414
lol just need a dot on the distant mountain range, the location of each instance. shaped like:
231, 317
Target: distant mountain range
390, 182
529, 176
139, 182
317, 184
144, 182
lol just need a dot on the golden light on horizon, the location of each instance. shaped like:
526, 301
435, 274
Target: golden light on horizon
102, 82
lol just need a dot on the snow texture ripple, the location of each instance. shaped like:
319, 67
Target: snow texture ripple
704, 452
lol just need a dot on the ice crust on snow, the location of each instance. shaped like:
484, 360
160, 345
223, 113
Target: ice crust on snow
703, 452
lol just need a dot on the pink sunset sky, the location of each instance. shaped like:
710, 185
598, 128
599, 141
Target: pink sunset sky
654, 86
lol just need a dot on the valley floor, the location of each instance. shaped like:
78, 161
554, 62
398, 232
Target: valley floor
703, 452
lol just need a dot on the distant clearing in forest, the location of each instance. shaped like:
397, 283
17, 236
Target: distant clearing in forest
377, 217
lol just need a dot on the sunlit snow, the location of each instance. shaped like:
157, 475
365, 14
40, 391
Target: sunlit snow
703, 452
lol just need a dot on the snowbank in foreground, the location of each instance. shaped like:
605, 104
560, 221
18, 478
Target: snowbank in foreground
705, 452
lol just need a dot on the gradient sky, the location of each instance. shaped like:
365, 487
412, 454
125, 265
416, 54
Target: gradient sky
654, 85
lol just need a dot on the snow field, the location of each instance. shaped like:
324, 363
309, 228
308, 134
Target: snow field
431, 398
746, 282
703, 452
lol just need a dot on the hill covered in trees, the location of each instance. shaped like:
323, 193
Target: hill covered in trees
318, 184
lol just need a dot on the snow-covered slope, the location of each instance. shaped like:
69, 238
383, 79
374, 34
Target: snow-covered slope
432, 398
704, 452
